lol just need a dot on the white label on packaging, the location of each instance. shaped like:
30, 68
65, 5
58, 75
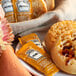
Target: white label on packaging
34, 54
37, 43
23, 7
8, 7
26, 0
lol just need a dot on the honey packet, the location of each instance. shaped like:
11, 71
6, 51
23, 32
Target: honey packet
37, 58
9, 10
31, 37
23, 10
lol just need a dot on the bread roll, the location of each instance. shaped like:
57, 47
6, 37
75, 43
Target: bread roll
39, 7
61, 42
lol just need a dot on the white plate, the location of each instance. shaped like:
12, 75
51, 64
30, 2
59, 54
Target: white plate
34, 71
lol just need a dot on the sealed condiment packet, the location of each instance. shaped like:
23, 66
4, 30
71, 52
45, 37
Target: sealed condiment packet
23, 10
9, 10
37, 58
31, 37
39, 7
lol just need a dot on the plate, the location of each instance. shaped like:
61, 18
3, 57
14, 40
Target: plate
33, 71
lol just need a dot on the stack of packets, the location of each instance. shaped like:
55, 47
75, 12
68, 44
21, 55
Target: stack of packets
22, 10
17, 10
33, 53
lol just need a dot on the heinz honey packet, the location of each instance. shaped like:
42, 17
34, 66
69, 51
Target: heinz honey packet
37, 58
23, 10
31, 37
9, 10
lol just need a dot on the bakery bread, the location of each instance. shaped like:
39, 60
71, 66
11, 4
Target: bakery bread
61, 42
39, 7
50, 4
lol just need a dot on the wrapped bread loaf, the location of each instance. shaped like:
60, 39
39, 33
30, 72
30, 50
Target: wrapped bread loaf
61, 42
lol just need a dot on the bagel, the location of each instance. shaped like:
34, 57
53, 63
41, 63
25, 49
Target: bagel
61, 42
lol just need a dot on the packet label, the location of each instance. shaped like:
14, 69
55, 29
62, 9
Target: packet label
8, 7
37, 58
23, 10
34, 54
31, 37
23, 7
9, 10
